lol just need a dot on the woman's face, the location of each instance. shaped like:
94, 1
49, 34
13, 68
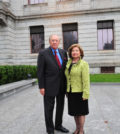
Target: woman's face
75, 52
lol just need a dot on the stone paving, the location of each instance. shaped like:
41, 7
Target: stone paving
22, 112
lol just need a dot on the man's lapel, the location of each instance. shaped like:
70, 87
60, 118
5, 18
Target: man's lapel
62, 55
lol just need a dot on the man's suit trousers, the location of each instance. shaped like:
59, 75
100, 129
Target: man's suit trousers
49, 102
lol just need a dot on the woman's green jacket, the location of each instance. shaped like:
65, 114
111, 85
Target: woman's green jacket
78, 78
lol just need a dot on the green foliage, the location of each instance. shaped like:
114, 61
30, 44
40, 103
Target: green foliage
9, 73
105, 77
14, 73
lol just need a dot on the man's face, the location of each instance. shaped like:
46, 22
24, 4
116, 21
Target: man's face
54, 41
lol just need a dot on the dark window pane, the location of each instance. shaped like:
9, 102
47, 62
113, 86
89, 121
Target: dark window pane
36, 29
104, 24
107, 69
70, 35
69, 27
110, 25
37, 38
37, 42
69, 39
100, 25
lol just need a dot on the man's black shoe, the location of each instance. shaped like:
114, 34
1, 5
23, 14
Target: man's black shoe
62, 129
51, 133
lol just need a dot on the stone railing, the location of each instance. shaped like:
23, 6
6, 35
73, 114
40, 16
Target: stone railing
11, 88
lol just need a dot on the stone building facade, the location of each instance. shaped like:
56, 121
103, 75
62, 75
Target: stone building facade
25, 27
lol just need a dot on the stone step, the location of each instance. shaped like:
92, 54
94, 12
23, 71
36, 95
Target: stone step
11, 88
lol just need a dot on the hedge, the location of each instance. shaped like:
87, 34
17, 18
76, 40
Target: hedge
12, 73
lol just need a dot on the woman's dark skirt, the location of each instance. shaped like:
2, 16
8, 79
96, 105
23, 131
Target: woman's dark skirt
76, 105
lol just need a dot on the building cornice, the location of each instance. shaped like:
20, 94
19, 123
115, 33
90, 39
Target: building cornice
69, 13
7, 13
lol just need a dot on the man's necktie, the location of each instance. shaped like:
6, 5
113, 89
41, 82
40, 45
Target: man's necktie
57, 59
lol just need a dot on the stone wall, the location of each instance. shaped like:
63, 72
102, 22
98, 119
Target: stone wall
87, 34
21, 7
7, 42
15, 45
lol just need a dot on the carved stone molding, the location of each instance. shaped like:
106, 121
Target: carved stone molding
69, 13
4, 13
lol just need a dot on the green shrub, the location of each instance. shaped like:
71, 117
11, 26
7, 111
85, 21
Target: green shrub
12, 73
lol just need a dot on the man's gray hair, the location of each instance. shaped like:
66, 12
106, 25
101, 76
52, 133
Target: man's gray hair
53, 35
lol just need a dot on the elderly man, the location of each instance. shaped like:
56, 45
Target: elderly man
52, 83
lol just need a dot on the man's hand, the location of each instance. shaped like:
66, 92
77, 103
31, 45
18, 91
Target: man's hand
42, 91
84, 99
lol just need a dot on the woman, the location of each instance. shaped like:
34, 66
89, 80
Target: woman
77, 75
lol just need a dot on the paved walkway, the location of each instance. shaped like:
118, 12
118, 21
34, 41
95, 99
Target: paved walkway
22, 113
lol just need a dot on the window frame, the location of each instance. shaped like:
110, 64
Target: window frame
111, 69
29, 2
105, 28
69, 30
33, 33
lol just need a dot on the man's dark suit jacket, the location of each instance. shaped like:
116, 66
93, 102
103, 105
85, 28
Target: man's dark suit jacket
50, 76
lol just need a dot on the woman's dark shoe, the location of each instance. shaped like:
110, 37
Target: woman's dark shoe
76, 132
